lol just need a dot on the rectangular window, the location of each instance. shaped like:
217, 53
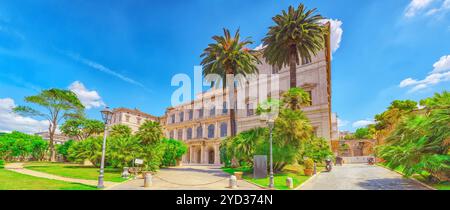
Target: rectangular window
200, 113
191, 114
224, 108
172, 119
310, 98
181, 116
275, 70
250, 110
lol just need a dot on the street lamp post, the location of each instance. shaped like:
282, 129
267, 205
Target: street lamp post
106, 115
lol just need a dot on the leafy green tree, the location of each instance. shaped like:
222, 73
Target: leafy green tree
82, 128
88, 149
122, 150
292, 127
420, 141
317, 149
295, 98
388, 120
297, 35
363, 133
240, 149
229, 57
58, 104
63, 149
150, 133
173, 151
120, 131
21, 146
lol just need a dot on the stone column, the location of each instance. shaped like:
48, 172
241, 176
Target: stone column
191, 153
205, 131
217, 130
202, 154
216, 154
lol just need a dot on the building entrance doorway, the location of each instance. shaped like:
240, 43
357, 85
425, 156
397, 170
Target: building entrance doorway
211, 157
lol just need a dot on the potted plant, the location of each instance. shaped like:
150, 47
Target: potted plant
309, 167
238, 175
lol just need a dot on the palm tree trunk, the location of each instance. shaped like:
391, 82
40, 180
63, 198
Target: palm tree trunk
233, 100
293, 69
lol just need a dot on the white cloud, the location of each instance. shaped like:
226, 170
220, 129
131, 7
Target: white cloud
336, 34
363, 123
416, 6
9, 121
442, 65
440, 73
90, 99
342, 123
445, 6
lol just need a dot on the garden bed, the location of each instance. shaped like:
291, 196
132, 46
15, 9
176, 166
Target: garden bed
293, 171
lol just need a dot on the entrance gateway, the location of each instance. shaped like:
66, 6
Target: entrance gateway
202, 154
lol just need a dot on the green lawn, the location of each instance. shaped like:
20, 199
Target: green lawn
14, 181
75, 171
293, 171
423, 178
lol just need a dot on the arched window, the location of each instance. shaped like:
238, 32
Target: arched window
224, 108
200, 113
212, 112
189, 133
191, 114
223, 129
211, 131
199, 132
181, 116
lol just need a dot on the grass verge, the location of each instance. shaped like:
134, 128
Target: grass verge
75, 171
10, 180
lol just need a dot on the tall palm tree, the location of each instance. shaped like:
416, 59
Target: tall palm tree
228, 56
296, 36
295, 98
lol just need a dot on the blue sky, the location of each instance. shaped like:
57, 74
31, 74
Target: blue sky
124, 53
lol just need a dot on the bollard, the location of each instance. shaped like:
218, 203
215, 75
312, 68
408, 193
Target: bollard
233, 182
125, 173
148, 180
290, 183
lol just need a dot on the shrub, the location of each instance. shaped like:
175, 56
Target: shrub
309, 163
21, 146
2, 163
122, 150
89, 149
63, 149
318, 149
173, 151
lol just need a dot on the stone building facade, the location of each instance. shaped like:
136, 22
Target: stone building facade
205, 121
132, 118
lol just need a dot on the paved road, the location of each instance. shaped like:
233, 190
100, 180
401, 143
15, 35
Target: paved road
19, 168
361, 177
187, 178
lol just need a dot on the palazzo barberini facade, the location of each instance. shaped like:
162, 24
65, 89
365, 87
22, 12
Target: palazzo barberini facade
204, 122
